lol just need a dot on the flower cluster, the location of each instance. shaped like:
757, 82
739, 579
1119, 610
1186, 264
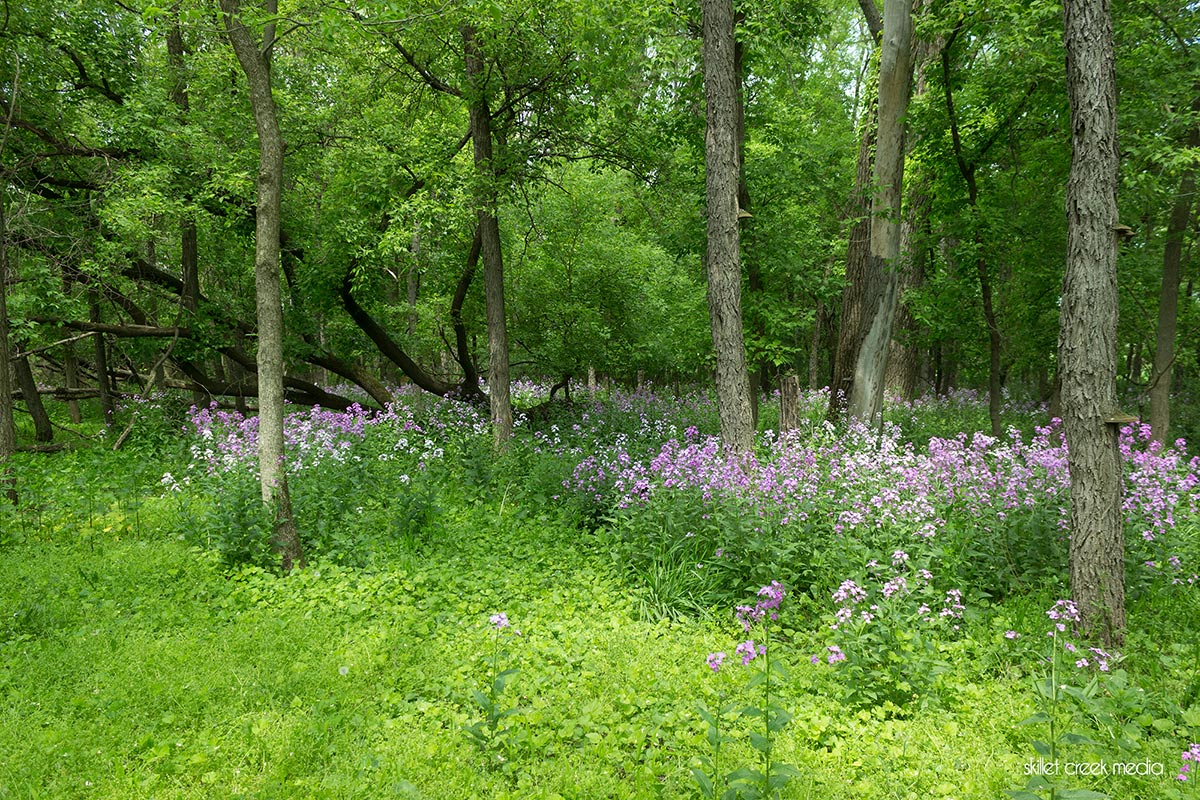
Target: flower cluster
882, 483
1062, 613
770, 598
768, 606
1190, 756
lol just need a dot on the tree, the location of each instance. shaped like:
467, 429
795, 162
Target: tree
8, 435
969, 167
895, 87
1087, 349
722, 256
859, 288
255, 59
489, 232
1168, 298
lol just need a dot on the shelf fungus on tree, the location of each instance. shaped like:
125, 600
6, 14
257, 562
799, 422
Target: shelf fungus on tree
1120, 418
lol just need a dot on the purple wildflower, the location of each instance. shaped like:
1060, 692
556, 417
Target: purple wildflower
1190, 756
715, 660
749, 651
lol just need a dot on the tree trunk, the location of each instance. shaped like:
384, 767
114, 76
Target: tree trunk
103, 380
789, 403
255, 62
722, 256
904, 361
857, 288
814, 347
1168, 297
895, 84
8, 431
489, 232
188, 245
860, 285
43, 431
1087, 344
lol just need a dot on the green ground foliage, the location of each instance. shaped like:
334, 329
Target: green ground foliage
141, 658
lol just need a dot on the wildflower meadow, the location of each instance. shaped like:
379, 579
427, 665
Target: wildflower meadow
612, 607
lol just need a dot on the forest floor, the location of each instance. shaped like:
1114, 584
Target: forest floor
143, 656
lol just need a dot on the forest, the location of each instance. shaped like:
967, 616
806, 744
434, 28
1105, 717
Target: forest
596, 399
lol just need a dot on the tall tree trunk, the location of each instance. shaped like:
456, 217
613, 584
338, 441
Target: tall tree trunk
904, 361
489, 232
758, 372
255, 61
1087, 344
8, 431
1168, 297
814, 346
858, 286
895, 85
188, 244
722, 257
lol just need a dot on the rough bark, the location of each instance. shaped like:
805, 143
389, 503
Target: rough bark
1168, 297
904, 361
254, 57
895, 84
489, 233
722, 257
8, 433
858, 286
1087, 345
789, 403
759, 373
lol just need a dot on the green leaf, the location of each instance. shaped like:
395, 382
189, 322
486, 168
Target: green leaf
781, 774
502, 680
760, 742
706, 715
1079, 794
778, 720
1021, 794
1042, 748
703, 781
1077, 738
1035, 719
